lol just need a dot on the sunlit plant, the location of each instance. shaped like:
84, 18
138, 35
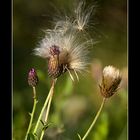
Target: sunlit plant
111, 79
66, 48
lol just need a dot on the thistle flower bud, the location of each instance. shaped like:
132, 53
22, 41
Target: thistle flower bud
110, 81
54, 69
32, 77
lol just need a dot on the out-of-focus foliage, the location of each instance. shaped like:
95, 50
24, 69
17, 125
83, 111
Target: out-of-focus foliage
74, 104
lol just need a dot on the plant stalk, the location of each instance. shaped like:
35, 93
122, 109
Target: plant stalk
48, 109
43, 108
32, 114
95, 119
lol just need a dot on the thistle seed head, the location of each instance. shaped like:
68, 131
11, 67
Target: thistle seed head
65, 48
32, 77
110, 81
64, 52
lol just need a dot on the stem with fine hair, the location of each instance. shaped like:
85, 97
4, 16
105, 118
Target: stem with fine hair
95, 119
43, 108
33, 111
48, 109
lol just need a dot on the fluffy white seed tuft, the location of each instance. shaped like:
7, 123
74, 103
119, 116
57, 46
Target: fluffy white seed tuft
73, 46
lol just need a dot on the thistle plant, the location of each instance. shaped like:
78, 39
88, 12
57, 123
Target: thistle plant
64, 51
32, 81
111, 79
66, 48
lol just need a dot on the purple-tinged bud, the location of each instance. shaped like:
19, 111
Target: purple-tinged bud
54, 50
32, 77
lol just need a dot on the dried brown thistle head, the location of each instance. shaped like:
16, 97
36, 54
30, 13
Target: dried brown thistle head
110, 81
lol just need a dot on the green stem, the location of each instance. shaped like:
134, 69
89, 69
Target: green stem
48, 109
43, 108
96, 117
33, 111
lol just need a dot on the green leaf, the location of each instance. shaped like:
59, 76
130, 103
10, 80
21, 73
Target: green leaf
79, 136
42, 122
30, 113
31, 136
46, 126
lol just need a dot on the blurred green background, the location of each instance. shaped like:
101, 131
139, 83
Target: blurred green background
74, 104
